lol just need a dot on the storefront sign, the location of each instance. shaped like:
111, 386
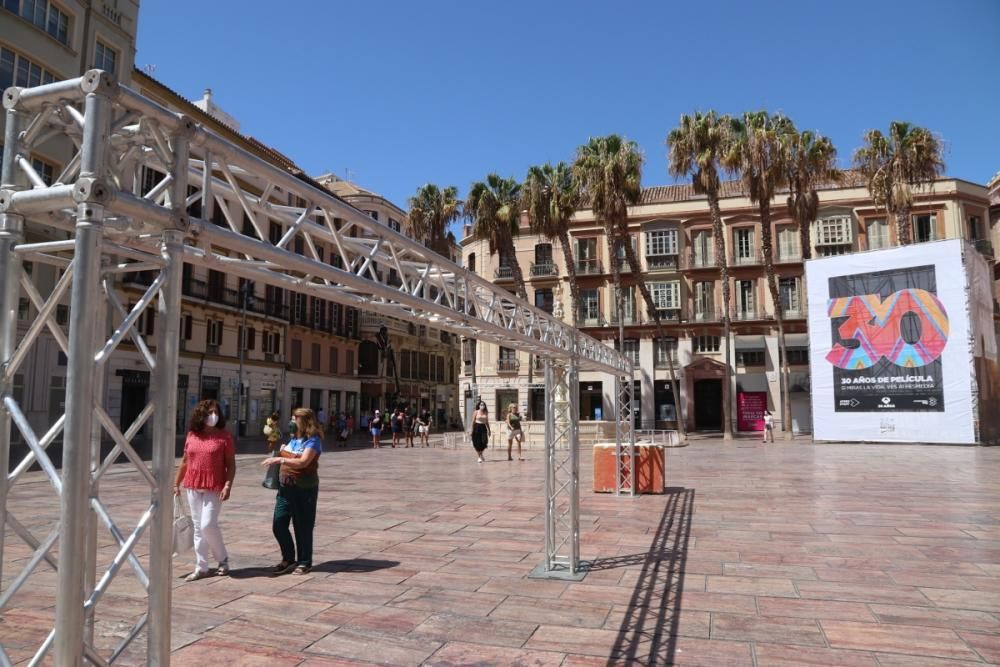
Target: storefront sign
750, 406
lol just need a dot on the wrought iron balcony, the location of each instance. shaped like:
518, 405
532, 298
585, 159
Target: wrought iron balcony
543, 269
793, 313
592, 321
756, 257
695, 261
793, 257
666, 315
706, 316
660, 262
588, 266
628, 320
984, 247
740, 315
508, 365
503, 273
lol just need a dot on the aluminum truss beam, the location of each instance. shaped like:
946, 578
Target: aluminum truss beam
625, 477
124, 200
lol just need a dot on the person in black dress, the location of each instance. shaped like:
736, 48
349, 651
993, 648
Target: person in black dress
481, 430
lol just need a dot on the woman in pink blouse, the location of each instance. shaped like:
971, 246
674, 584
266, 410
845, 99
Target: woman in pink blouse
207, 472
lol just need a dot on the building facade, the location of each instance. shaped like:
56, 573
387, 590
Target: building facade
671, 232
420, 364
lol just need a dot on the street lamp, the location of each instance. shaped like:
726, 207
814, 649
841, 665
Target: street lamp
246, 298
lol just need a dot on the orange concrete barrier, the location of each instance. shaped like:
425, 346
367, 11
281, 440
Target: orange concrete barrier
650, 473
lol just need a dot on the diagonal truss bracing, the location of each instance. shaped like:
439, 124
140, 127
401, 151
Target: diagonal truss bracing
149, 190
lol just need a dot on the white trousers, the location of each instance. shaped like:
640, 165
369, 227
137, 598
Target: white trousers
205, 507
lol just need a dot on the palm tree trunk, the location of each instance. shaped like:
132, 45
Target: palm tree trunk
522, 292
574, 288
903, 235
772, 286
616, 276
660, 334
805, 248
718, 234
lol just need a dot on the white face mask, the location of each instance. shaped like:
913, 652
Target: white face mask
212, 420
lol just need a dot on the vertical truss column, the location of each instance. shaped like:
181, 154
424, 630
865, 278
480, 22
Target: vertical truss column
81, 365
165, 413
562, 473
11, 234
624, 437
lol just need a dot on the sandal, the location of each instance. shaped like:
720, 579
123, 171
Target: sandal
302, 569
284, 567
223, 568
198, 574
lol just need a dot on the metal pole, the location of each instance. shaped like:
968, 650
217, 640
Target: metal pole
165, 417
11, 234
243, 344
551, 391
80, 392
573, 391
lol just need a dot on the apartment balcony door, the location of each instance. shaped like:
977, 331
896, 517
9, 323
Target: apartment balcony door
701, 243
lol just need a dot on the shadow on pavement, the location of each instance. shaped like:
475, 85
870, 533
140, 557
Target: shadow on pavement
354, 565
648, 633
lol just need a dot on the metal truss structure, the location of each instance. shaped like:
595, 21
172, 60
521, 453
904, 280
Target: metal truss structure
115, 219
625, 477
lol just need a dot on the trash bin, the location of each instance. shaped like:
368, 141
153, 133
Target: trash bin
649, 468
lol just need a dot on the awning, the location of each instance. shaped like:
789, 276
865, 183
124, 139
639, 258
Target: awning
749, 342
797, 340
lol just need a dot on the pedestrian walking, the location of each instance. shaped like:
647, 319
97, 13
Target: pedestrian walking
296, 499
396, 424
409, 424
206, 472
768, 426
424, 427
481, 430
376, 430
514, 432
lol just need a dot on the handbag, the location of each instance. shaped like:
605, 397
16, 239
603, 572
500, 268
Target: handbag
183, 529
270, 480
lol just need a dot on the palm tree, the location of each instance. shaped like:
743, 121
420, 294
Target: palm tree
696, 147
610, 171
758, 154
494, 207
431, 211
551, 196
810, 161
909, 156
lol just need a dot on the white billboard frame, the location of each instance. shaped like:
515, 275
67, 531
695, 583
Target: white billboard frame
956, 422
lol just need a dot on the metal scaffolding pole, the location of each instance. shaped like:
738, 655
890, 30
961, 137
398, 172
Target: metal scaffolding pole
625, 480
80, 391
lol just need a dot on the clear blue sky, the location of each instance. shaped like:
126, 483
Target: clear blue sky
397, 94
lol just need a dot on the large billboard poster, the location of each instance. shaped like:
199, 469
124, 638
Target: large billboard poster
889, 345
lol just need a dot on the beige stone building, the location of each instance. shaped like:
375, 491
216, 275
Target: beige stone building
672, 234
426, 359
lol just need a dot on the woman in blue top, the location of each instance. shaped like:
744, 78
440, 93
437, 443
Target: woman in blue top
297, 493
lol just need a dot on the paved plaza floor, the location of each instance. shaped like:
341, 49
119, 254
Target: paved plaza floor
784, 554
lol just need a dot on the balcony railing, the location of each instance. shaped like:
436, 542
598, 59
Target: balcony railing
793, 313
706, 316
542, 269
503, 273
661, 360
588, 266
749, 314
666, 315
654, 262
626, 266
194, 288
788, 258
694, 261
508, 365
984, 247
755, 257
628, 320
593, 321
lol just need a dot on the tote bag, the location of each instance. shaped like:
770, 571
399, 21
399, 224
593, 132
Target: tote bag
183, 529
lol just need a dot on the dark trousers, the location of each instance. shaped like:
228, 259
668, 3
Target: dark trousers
298, 506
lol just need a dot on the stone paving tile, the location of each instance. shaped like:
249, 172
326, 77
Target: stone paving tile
377, 647
770, 586
960, 599
493, 631
238, 654
897, 660
933, 617
784, 655
767, 629
814, 609
986, 645
459, 654
270, 630
907, 639
554, 612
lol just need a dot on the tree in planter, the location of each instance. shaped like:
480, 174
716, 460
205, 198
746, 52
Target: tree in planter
610, 170
758, 154
811, 161
432, 209
551, 196
695, 149
892, 165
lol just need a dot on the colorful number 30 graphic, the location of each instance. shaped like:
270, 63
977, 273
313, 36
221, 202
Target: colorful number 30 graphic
876, 325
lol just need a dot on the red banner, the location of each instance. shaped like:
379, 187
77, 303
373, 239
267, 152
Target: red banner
750, 406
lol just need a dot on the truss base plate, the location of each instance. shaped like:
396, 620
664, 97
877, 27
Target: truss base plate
560, 572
